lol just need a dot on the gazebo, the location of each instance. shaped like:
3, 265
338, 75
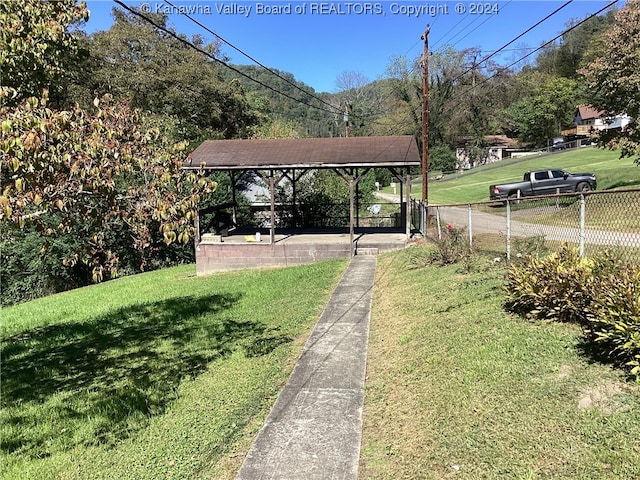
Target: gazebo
275, 160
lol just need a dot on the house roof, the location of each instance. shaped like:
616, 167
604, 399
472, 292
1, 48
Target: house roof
587, 112
496, 141
337, 152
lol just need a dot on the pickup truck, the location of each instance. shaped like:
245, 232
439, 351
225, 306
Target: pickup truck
544, 182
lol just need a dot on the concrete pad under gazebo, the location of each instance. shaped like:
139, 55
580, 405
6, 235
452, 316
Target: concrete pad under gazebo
280, 159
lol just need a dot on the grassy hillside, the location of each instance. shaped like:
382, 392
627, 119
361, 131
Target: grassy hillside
458, 388
158, 375
473, 185
167, 375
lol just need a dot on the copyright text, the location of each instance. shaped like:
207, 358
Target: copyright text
247, 9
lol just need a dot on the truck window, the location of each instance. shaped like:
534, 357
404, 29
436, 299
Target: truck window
557, 173
527, 176
542, 175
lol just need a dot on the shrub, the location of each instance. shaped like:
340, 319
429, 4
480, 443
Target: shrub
453, 247
551, 288
530, 246
614, 316
27, 273
600, 293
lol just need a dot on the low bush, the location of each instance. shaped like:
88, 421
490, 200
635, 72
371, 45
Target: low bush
601, 294
452, 248
614, 317
551, 288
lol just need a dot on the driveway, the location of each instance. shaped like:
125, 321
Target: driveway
484, 222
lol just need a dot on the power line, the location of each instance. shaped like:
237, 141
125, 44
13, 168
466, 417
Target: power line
485, 59
501, 70
217, 60
450, 30
465, 27
273, 72
486, 20
412, 112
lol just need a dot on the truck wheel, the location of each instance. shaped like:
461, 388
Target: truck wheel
514, 198
583, 187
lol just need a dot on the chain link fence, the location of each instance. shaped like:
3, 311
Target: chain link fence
593, 221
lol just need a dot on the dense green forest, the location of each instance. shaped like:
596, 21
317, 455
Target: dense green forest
95, 126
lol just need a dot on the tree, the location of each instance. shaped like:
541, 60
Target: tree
613, 78
405, 85
464, 97
565, 58
26, 273
361, 101
546, 105
158, 73
104, 177
441, 157
307, 112
277, 129
37, 45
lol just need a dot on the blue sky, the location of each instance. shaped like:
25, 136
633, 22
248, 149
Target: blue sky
317, 41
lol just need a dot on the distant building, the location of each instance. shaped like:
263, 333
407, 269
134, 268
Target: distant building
587, 121
499, 147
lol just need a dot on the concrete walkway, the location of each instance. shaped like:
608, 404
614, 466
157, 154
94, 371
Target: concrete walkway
315, 427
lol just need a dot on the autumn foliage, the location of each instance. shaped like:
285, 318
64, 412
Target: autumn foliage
90, 174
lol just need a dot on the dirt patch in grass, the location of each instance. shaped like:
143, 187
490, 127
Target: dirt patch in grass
607, 397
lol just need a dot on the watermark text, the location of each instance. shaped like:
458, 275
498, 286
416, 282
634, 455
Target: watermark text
247, 9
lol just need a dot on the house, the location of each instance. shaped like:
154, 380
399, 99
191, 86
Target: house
498, 148
587, 121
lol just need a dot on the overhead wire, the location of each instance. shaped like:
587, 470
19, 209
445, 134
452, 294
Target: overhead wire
495, 52
412, 112
544, 45
334, 110
462, 19
489, 17
273, 72
217, 60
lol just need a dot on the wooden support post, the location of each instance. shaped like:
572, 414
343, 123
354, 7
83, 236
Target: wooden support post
351, 213
272, 190
408, 210
234, 208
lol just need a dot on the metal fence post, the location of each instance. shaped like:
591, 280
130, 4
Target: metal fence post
470, 230
508, 231
582, 224
438, 223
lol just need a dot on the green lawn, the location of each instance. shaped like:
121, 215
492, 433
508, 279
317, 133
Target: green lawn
457, 388
473, 185
159, 375
167, 375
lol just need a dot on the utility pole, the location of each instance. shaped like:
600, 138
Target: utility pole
347, 111
425, 117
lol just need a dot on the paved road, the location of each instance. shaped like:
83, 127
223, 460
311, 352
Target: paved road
483, 222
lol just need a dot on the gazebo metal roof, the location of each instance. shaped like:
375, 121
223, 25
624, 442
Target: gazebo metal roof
306, 153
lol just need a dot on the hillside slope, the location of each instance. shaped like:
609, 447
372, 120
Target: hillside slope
473, 185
